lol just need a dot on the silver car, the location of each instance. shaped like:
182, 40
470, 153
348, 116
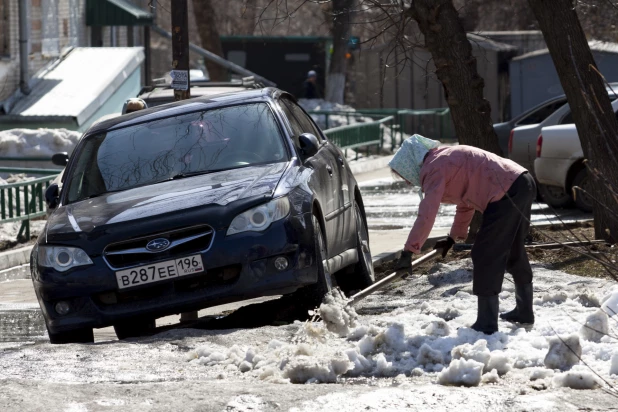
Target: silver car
522, 150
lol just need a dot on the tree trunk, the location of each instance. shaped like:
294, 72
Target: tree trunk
206, 24
446, 40
249, 8
592, 111
335, 82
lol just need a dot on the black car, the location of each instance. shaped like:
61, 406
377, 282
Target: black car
194, 204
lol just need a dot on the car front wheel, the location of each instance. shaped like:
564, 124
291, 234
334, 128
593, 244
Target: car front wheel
361, 275
583, 200
311, 296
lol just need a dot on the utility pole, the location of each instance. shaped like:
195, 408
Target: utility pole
180, 73
180, 50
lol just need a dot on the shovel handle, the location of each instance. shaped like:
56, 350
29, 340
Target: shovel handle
393, 277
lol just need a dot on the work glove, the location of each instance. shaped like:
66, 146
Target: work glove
445, 244
405, 262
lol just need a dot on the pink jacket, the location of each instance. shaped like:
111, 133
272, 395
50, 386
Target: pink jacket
465, 176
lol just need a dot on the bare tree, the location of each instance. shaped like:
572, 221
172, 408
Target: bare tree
206, 19
590, 104
335, 82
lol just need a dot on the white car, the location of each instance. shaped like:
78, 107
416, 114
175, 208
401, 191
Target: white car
560, 161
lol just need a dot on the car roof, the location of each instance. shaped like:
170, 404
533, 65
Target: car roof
157, 95
185, 106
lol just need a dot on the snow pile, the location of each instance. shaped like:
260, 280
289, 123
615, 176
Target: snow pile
37, 142
610, 302
580, 379
245, 403
415, 340
462, 372
337, 315
596, 327
613, 369
564, 352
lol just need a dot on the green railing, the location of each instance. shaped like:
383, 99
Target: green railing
361, 134
24, 201
432, 123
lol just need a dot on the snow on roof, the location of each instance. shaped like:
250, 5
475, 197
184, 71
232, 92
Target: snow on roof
80, 83
595, 45
487, 43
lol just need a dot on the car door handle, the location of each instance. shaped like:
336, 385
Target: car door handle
341, 161
329, 170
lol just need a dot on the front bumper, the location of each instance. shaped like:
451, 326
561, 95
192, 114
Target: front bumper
237, 267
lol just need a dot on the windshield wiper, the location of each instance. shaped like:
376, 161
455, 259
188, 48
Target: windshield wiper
189, 174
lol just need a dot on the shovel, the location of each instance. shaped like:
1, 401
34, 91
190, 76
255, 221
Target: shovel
393, 277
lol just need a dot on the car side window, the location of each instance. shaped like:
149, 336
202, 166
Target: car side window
305, 121
568, 119
541, 114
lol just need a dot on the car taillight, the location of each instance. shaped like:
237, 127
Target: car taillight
539, 145
511, 141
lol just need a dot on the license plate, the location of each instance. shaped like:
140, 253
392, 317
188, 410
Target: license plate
159, 271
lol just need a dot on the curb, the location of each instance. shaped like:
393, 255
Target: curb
15, 273
370, 165
15, 257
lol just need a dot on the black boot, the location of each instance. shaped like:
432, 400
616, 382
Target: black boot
523, 312
487, 317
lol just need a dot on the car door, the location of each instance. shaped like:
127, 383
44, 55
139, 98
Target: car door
325, 181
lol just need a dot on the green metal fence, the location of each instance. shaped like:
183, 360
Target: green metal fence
432, 123
24, 201
361, 134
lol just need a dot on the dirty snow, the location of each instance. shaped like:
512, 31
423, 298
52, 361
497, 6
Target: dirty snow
387, 361
37, 142
336, 314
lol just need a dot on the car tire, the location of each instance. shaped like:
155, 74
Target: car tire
84, 335
583, 200
311, 296
134, 328
361, 275
555, 196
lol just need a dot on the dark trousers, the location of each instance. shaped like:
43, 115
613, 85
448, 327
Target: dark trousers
499, 243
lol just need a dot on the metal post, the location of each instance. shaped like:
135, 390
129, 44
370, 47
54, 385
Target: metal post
23, 46
180, 73
180, 50
147, 57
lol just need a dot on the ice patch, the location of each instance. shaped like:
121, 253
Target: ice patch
596, 326
461, 372
338, 317
246, 403
564, 352
576, 380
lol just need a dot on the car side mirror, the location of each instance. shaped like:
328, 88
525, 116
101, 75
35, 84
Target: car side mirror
309, 144
51, 196
60, 159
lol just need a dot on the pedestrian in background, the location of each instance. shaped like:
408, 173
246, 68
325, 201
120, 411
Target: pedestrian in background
474, 179
310, 86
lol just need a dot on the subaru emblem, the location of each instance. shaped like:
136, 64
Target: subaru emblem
158, 245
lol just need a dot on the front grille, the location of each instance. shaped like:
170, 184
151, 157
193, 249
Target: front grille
222, 276
183, 242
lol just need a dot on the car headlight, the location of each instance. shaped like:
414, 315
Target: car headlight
62, 258
260, 218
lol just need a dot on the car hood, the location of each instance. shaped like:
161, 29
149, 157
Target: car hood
215, 188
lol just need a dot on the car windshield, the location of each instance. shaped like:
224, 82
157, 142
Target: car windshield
176, 147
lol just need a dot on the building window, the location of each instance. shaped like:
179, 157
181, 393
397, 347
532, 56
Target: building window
51, 29
5, 27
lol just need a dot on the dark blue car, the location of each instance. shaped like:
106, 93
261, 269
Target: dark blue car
195, 204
